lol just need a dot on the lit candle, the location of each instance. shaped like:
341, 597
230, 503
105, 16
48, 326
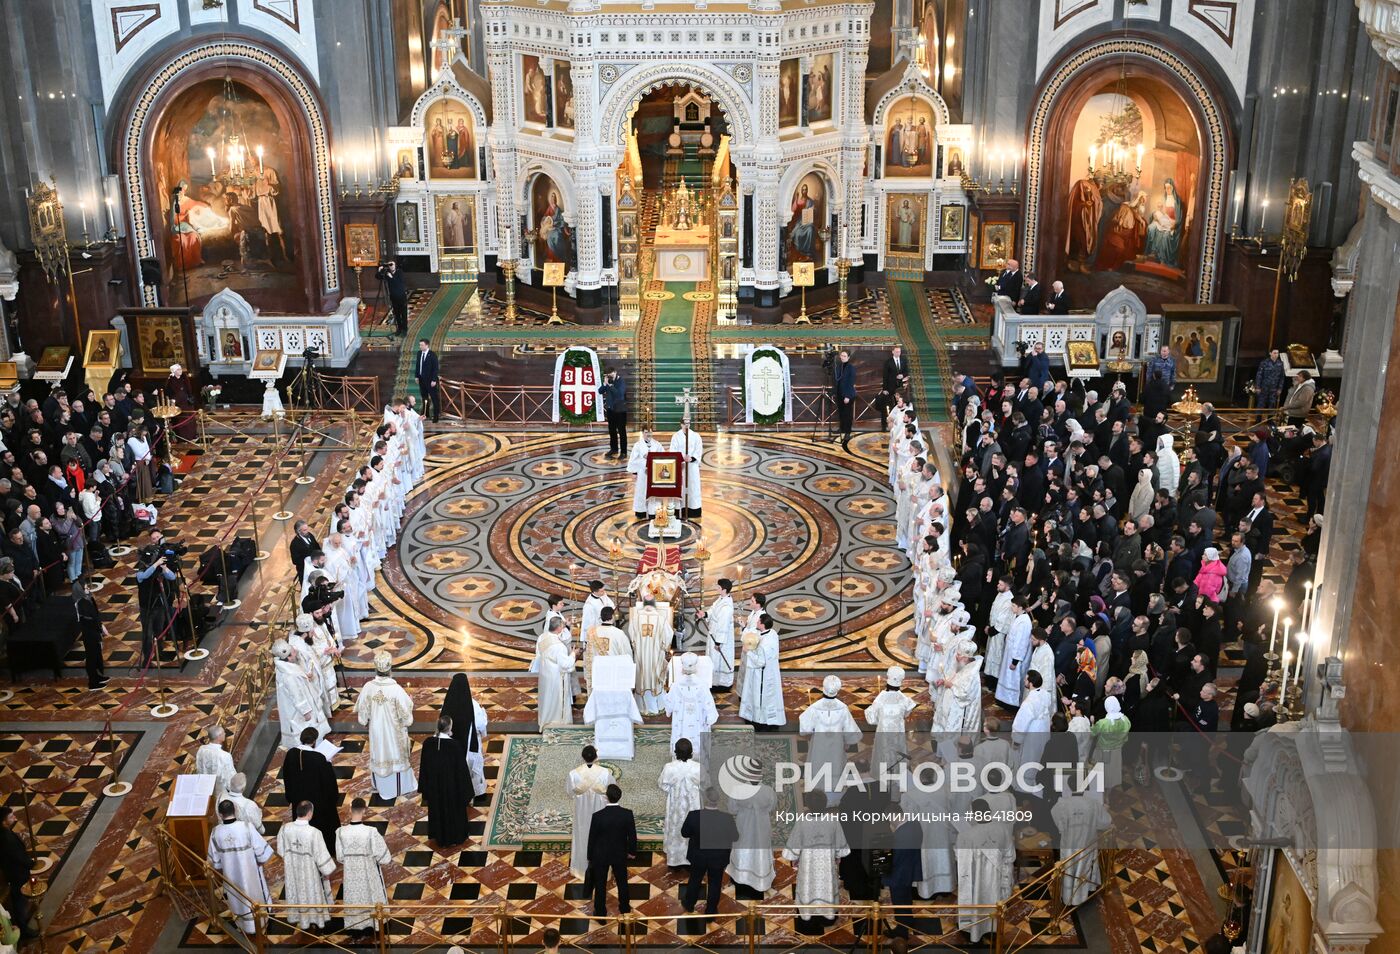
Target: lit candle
1001, 157
1263, 215
82, 207
1306, 616
1287, 628
1302, 651
1283, 688
260, 158
1273, 632
111, 212
209, 151
1093, 153
1140, 150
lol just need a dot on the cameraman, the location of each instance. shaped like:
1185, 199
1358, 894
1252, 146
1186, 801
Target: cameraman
158, 592
614, 392
392, 278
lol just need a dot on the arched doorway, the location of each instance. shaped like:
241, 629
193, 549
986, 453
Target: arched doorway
1157, 231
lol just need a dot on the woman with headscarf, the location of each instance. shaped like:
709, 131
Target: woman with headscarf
1081, 689
1211, 580
1110, 734
469, 724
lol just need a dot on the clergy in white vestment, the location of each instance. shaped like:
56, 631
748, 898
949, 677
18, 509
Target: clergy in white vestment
993, 751
1042, 657
1079, 818
719, 628
565, 634
612, 707
387, 710
907, 480
299, 701
762, 692
887, 714
651, 634
986, 854
830, 730
362, 853
934, 651
319, 654
957, 709
642, 506
306, 869
347, 622
1031, 730
587, 785
238, 852
687, 443
605, 639
554, 703
691, 708
998, 623
933, 806
683, 780
245, 808
590, 621
211, 759
751, 860
1015, 659
816, 846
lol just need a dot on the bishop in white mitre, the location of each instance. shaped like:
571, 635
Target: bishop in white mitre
587, 785
362, 853
238, 852
830, 730
986, 854
387, 710
719, 643
761, 696
245, 808
306, 868
887, 714
1079, 818
554, 703
642, 506
957, 708
817, 845
211, 759
683, 780
687, 443
299, 700
651, 635
691, 708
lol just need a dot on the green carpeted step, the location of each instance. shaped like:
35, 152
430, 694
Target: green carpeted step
911, 318
675, 370
432, 323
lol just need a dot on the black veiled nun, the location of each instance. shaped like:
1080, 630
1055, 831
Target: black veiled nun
468, 726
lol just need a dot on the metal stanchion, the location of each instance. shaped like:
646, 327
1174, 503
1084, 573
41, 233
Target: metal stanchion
284, 513
116, 788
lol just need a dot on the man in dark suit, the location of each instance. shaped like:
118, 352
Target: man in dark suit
425, 369
896, 379
303, 545
612, 842
1010, 280
16, 865
1015, 541
712, 834
614, 394
1032, 297
1319, 470
844, 387
1058, 302
393, 281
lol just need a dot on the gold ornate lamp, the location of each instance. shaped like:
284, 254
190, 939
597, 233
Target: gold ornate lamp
1190, 403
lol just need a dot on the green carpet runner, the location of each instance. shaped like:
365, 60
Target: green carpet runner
431, 323
675, 368
911, 318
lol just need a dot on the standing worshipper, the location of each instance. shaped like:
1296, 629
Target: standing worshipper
1030, 730
469, 725
751, 864
887, 714
692, 709
306, 869
298, 699
554, 702
710, 834
1016, 653
387, 710
719, 626
211, 759
761, 697
687, 443
362, 854
643, 507
246, 809
612, 842
446, 784
237, 852
986, 854
683, 781
180, 392
1079, 819
816, 846
651, 635
830, 730
307, 776
587, 785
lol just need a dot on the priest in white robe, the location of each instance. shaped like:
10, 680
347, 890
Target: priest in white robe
761, 700
643, 506
998, 623
933, 806
588, 786
299, 701
590, 621
605, 640
719, 629
1015, 660
238, 852
692, 709
683, 780
1042, 658
211, 759
830, 730
751, 860
887, 714
687, 443
651, 635
816, 845
387, 710
306, 869
986, 854
318, 654
554, 703
1031, 730
245, 808
347, 619
957, 710
362, 853
1080, 819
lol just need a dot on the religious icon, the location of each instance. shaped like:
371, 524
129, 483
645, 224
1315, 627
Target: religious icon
102, 350
1196, 347
267, 361
160, 340
450, 140
789, 92
232, 346
53, 358
906, 223
536, 90
555, 239
819, 89
998, 239
1082, 355
361, 244
909, 139
563, 94
407, 214
406, 164
954, 167
456, 224
663, 473
808, 217
952, 223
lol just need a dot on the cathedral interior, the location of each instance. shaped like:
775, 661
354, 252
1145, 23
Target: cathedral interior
261, 257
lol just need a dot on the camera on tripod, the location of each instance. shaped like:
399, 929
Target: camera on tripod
170, 550
829, 354
311, 354
322, 595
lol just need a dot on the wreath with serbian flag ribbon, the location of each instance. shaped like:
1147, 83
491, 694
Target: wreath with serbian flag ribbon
576, 382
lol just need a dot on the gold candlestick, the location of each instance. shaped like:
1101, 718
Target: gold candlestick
843, 269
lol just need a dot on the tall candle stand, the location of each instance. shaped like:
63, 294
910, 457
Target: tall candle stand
843, 270
508, 270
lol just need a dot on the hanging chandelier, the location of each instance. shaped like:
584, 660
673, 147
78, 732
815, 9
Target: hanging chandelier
233, 164
1115, 158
